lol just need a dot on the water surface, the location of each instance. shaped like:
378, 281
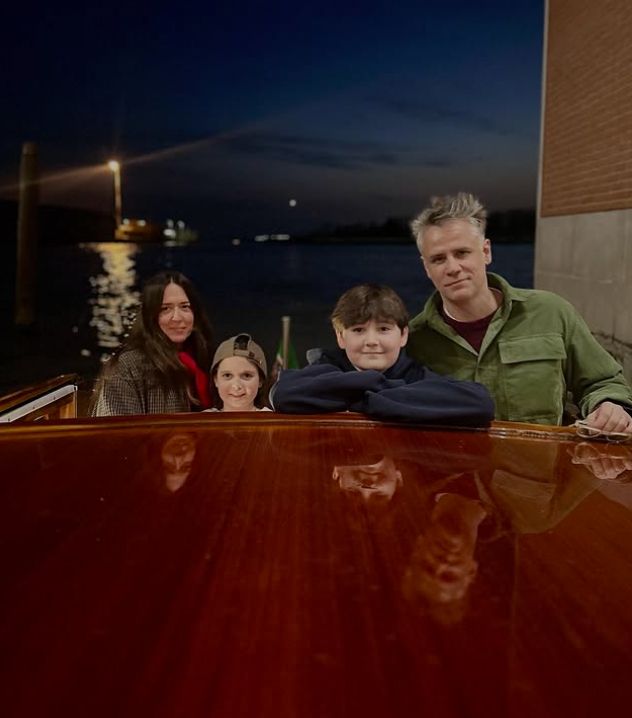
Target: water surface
87, 294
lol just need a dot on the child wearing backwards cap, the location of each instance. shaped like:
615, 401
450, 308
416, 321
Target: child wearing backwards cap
371, 373
239, 371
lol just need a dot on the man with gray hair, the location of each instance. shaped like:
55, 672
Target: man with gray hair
528, 347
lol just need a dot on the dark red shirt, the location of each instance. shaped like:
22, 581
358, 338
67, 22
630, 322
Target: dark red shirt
472, 332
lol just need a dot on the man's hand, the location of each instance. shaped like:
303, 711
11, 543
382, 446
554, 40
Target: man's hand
605, 461
610, 417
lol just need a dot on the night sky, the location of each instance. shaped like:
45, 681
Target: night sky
221, 113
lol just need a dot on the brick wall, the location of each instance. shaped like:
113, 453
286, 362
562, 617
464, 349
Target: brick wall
587, 131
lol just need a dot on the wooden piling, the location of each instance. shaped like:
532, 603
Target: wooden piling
26, 263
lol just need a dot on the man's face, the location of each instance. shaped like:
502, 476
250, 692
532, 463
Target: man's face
443, 564
372, 345
455, 257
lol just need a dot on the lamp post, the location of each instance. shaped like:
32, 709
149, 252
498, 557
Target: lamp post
115, 166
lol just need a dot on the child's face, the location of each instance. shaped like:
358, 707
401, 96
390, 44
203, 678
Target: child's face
372, 345
237, 381
369, 480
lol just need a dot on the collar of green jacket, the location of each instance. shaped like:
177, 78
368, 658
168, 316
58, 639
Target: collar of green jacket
431, 310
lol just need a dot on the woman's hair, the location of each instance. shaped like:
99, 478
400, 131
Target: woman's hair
159, 351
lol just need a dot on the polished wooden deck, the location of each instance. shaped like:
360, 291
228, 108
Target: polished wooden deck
332, 566
46, 401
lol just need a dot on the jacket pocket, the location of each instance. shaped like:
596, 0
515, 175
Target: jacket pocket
533, 377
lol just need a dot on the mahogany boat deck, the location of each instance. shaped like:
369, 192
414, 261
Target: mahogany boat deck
225, 565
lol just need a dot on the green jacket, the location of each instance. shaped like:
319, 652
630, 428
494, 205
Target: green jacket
536, 349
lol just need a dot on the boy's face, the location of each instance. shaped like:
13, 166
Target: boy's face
369, 480
372, 345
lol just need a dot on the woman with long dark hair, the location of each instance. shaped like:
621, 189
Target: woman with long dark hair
163, 366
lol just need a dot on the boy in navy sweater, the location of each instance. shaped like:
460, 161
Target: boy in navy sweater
370, 372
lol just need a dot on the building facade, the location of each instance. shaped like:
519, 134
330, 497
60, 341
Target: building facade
584, 233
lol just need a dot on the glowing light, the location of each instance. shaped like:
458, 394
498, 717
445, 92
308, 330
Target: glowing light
292, 203
115, 166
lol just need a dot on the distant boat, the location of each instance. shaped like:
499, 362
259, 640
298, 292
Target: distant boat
172, 233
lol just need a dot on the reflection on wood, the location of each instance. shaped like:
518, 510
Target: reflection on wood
328, 566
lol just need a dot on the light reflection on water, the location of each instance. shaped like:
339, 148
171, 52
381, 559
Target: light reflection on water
114, 298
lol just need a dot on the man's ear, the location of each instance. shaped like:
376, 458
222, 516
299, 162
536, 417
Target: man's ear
340, 339
487, 251
404, 339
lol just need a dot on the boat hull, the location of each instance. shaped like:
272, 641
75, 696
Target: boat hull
218, 565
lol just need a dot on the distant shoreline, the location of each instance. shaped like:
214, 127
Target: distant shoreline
69, 226
385, 240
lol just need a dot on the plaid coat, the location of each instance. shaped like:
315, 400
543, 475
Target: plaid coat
131, 388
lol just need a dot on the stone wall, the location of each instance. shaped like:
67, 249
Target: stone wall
587, 258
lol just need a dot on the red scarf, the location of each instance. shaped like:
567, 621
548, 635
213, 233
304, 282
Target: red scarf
200, 377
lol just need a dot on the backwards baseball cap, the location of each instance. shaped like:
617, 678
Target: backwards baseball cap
241, 346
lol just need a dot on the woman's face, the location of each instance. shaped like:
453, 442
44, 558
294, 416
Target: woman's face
177, 456
237, 381
176, 318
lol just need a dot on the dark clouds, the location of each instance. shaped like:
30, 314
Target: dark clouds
429, 113
223, 105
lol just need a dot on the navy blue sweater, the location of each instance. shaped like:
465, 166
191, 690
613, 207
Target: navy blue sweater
407, 391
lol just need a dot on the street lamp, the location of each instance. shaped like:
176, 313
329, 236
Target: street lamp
115, 166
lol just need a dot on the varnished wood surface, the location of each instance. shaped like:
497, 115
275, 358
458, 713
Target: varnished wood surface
245, 566
26, 394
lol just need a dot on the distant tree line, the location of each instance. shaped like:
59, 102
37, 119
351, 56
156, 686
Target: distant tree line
58, 225
65, 225
513, 226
